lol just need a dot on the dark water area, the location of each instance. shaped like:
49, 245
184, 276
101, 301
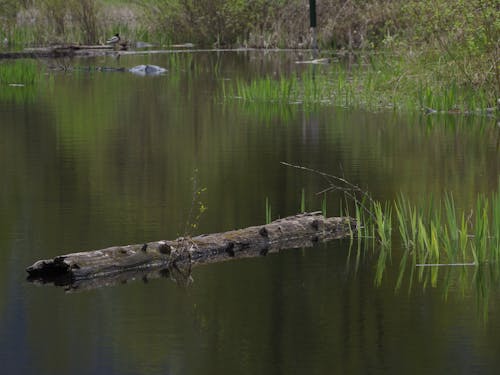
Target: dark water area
94, 159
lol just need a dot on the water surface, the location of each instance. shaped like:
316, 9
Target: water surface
94, 159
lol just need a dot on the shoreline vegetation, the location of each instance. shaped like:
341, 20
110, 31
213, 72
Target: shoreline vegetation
440, 55
429, 241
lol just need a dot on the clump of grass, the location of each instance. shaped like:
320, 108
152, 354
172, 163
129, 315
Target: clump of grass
305, 88
264, 89
374, 82
442, 236
434, 233
432, 237
22, 72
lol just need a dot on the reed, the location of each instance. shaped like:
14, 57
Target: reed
303, 201
21, 72
443, 235
268, 211
434, 235
264, 89
383, 220
495, 223
375, 82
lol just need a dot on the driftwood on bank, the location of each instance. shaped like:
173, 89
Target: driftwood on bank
58, 51
118, 264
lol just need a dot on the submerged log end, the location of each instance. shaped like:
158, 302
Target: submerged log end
52, 268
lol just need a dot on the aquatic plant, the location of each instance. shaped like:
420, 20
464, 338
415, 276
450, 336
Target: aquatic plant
444, 237
374, 82
433, 233
303, 201
268, 211
264, 89
197, 208
19, 72
323, 205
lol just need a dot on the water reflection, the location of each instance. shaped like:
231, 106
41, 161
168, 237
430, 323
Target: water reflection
99, 159
396, 267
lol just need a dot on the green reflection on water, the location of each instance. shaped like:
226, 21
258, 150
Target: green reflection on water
100, 159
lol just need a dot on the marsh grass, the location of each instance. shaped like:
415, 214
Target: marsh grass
439, 243
265, 89
323, 205
23, 72
375, 82
303, 201
433, 234
305, 88
441, 235
268, 211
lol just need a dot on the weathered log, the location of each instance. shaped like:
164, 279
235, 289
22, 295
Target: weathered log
59, 51
109, 264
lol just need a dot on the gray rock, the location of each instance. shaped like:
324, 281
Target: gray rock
147, 70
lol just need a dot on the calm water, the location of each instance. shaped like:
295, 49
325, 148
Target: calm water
90, 160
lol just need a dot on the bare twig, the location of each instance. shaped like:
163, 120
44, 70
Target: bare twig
350, 189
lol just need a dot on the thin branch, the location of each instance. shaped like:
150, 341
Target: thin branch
350, 187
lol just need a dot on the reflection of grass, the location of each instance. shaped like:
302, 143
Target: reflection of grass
18, 94
268, 112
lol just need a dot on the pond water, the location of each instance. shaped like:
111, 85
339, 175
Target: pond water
94, 159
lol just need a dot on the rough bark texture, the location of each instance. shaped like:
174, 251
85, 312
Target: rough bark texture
295, 231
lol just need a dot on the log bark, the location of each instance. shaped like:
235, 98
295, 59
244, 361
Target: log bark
119, 263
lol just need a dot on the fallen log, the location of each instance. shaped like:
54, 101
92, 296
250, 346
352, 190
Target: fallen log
59, 51
118, 263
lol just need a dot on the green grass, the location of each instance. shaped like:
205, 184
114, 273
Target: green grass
20, 72
283, 90
268, 211
323, 205
434, 235
303, 201
445, 236
374, 82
